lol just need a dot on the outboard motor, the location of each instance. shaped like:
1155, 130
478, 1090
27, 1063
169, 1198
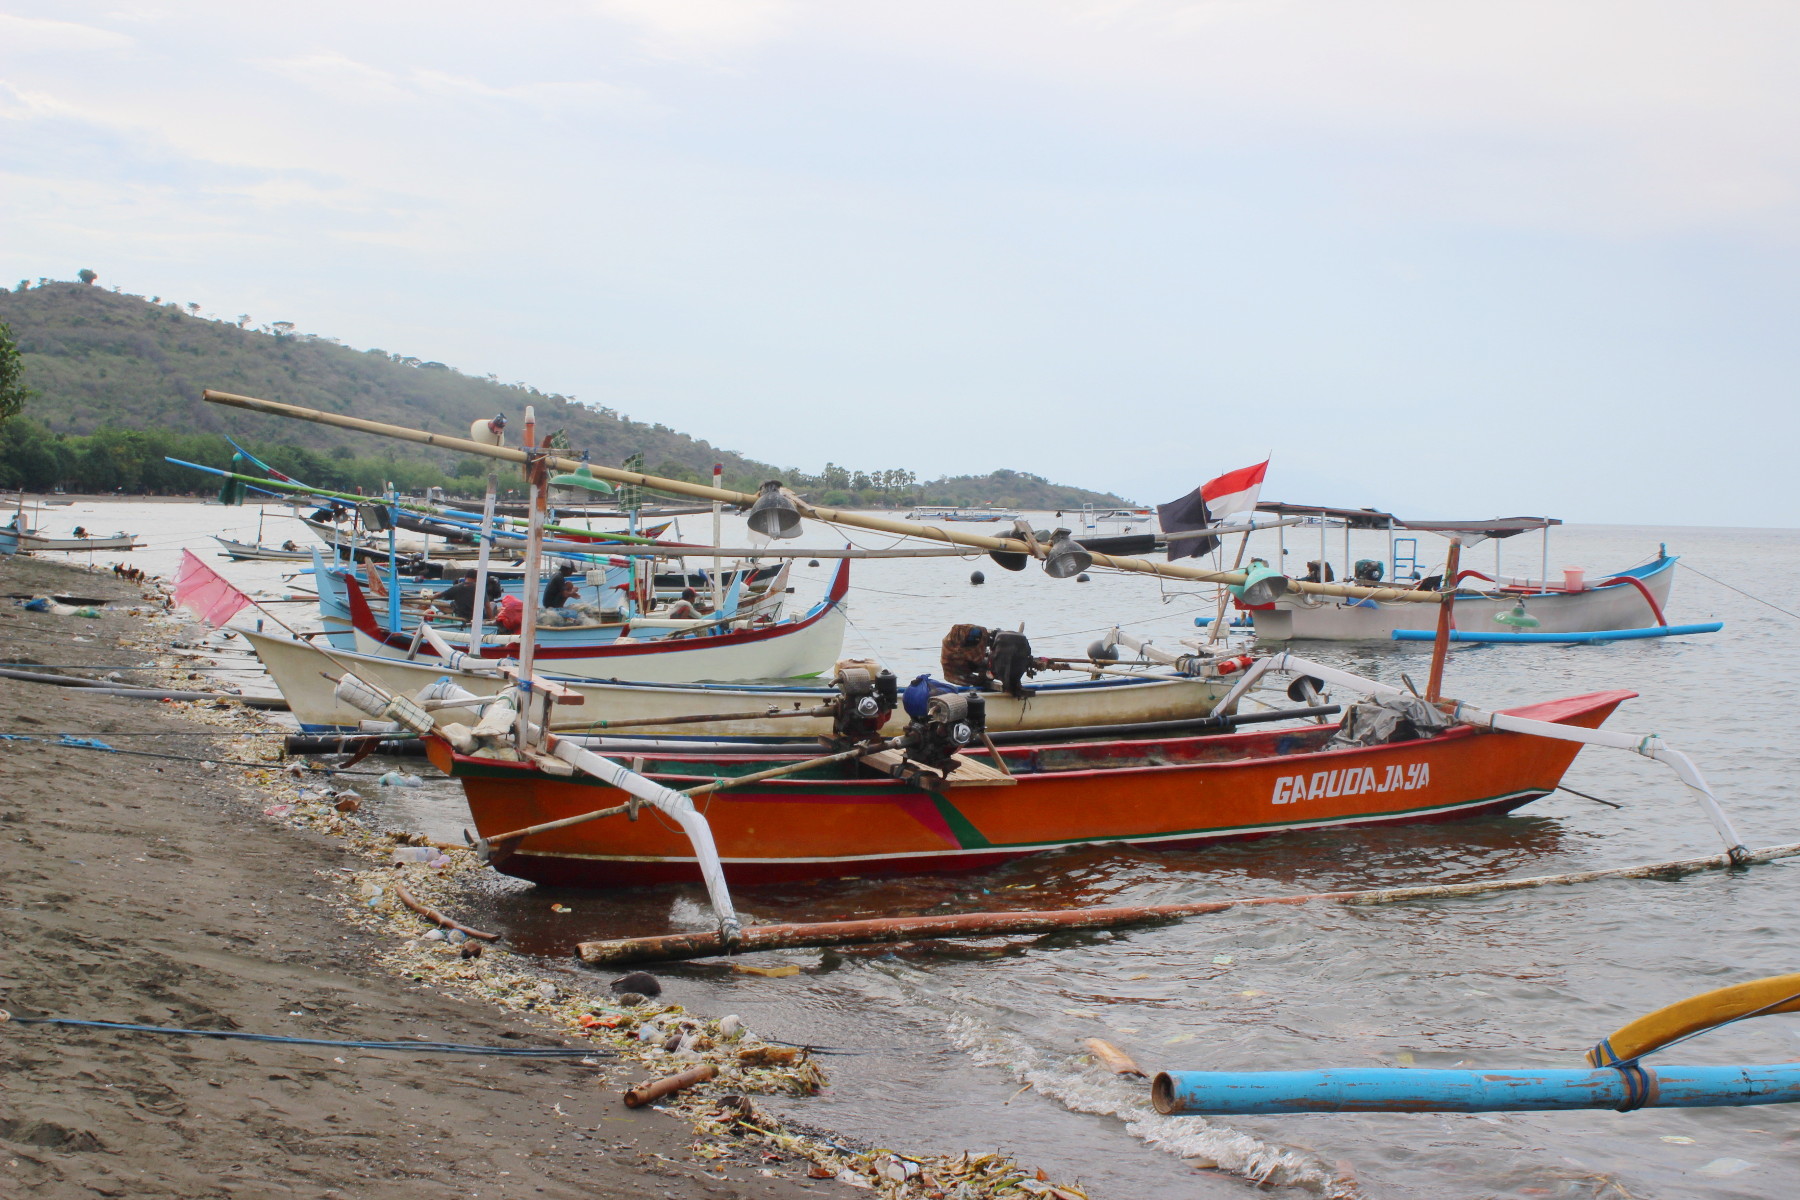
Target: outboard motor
864, 702
952, 722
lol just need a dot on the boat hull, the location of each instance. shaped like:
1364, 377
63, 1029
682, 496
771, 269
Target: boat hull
299, 670
31, 543
1616, 606
1169, 793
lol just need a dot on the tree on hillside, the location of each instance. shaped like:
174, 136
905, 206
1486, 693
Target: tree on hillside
13, 392
86, 276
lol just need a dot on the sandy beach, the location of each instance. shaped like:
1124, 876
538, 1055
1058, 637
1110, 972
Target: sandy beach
155, 891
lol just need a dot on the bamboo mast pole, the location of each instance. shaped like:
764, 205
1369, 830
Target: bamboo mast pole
478, 617
718, 509
536, 480
1218, 630
832, 516
1440, 649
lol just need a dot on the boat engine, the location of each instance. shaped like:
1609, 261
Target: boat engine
865, 701
952, 722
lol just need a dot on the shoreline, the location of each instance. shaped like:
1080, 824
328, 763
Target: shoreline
181, 892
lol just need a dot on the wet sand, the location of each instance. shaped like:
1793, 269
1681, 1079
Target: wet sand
154, 891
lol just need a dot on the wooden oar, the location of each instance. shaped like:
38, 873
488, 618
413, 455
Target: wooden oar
831, 516
487, 846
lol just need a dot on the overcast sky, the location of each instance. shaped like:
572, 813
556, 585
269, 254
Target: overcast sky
1451, 259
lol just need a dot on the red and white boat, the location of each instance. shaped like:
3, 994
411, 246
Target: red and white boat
801, 647
852, 818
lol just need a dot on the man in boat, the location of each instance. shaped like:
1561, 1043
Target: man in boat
559, 607
460, 596
688, 608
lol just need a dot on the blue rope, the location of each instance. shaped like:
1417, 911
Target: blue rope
70, 742
422, 1047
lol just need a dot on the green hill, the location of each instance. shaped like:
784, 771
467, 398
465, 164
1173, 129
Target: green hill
118, 381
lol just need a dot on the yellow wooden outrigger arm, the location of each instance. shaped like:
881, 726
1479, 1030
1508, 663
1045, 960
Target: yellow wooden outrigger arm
1653, 1031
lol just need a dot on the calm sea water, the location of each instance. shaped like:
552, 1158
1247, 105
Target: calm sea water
982, 1047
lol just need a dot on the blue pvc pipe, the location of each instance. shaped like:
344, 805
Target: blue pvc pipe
1394, 1089
1597, 635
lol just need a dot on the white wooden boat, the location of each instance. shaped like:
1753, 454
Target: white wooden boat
300, 668
14, 542
1487, 602
1630, 599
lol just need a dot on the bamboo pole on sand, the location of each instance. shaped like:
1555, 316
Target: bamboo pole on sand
1009, 924
831, 516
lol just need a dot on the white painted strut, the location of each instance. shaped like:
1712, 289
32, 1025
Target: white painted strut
676, 806
499, 719
1648, 745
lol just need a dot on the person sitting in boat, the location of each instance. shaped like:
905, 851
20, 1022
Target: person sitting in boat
460, 596
289, 545
1318, 571
688, 608
559, 608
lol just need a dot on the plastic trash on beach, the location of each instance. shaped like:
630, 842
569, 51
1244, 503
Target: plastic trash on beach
396, 779
413, 854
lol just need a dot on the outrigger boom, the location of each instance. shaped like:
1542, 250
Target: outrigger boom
831, 516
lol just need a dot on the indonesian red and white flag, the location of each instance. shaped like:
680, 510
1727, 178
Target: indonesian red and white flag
1234, 491
204, 592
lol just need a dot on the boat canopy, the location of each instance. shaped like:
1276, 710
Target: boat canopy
1356, 518
1370, 518
1498, 527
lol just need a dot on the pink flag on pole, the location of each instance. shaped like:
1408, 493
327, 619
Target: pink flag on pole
204, 592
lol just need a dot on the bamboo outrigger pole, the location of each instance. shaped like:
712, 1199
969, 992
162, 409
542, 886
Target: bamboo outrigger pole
701, 491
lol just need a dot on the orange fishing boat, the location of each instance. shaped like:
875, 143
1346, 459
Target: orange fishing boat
854, 818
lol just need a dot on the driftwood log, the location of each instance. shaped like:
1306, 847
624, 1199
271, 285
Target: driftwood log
647, 1093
